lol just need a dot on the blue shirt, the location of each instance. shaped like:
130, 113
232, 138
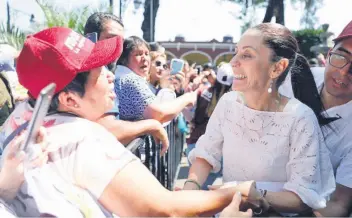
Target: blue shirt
133, 93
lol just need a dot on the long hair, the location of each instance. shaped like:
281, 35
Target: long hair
284, 45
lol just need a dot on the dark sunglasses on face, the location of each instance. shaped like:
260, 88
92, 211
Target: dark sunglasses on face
339, 61
159, 64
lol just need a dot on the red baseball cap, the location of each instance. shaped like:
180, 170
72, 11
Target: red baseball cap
58, 54
346, 32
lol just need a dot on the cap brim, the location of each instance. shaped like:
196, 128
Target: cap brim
342, 37
104, 52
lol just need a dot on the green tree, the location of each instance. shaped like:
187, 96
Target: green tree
276, 8
12, 36
55, 16
307, 38
149, 21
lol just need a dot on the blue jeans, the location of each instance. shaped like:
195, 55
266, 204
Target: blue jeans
211, 177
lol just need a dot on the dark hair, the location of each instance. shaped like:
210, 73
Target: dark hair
95, 22
284, 45
218, 90
129, 45
154, 46
313, 62
77, 85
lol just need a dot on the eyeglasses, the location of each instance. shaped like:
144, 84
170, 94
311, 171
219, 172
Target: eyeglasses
339, 61
159, 64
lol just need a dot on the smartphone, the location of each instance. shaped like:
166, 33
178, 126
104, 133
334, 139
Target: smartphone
40, 110
92, 36
176, 65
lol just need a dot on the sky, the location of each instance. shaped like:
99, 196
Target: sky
196, 20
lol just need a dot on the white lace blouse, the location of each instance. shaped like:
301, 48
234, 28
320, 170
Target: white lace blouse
270, 147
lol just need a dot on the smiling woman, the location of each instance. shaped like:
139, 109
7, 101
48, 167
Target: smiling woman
263, 136
136, 99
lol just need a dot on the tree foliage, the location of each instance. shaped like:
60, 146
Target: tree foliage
307, 38
276, 8
13, 36
55, 16
147, 22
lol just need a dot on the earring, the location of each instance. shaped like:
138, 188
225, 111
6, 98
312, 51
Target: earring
76, 105
270, 89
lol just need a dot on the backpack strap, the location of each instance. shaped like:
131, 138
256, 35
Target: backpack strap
23, 127
13, 135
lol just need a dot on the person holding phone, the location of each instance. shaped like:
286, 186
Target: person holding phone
83, 154
136, 100
159, 75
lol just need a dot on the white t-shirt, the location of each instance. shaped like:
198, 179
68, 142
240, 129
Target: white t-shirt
338, 138
82, 153
270, 147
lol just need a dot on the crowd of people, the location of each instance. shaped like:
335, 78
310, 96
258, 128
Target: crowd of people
274, 125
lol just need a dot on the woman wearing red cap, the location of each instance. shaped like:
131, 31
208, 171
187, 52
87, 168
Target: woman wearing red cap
87, 166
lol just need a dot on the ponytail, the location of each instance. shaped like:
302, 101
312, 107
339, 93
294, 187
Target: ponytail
304, 88
284, 45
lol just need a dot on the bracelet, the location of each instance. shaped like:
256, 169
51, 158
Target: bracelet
194, 182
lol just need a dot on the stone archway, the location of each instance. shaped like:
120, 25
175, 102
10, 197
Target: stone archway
223, 57
169, 55
198, 57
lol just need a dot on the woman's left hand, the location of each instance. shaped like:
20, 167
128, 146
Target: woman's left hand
12, 172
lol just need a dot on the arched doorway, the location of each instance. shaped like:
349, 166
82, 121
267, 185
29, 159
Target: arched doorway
223, 57
169, 55
198, 57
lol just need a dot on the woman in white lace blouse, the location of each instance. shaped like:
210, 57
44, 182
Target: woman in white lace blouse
266, 137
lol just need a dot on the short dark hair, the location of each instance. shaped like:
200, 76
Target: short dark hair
129, 45
77, 85
156, 47
96, 21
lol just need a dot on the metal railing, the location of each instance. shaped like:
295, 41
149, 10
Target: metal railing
164, 168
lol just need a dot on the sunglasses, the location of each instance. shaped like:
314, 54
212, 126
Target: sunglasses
339, 61
159, 64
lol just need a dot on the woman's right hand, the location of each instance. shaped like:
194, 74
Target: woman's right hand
233, 209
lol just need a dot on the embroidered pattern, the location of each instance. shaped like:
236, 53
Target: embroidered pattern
134, 96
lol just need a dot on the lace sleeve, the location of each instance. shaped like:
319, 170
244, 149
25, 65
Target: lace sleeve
209, 145
309, 170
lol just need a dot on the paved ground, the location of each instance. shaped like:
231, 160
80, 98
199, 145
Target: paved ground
183, 174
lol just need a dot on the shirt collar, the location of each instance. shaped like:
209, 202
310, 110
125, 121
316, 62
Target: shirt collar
122, 70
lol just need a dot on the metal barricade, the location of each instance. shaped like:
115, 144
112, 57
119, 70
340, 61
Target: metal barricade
164, 168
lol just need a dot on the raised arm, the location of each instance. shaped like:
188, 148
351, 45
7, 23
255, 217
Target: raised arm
166, 111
